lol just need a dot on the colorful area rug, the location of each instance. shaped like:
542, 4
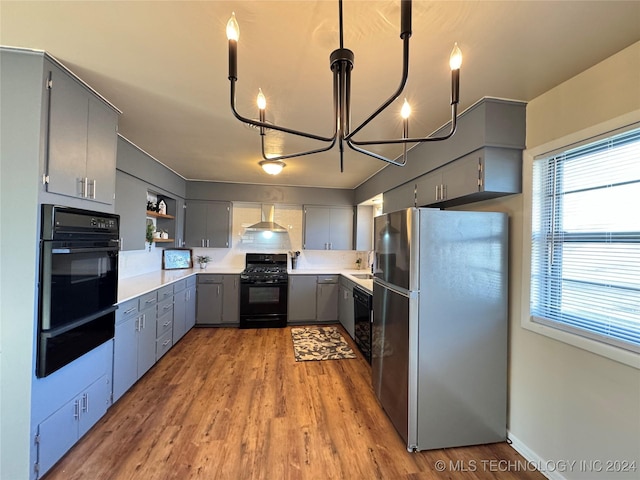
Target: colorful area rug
319, 343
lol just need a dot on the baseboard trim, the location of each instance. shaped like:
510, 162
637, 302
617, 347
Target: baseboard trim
547, 468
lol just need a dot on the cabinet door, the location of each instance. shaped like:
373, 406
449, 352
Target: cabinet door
428, 189
58, 433
209, 300
146, 340
179, 223
399, 198
131, 198
102, 138
218, 224
364, 228
345, 309
67, 135
179, 315
125, 356
461, 177
327, 302
195, 231
231, 300
93, 404
302, 298
317, 224
190, 320
341, 228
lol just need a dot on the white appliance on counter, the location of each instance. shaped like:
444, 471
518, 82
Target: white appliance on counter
439, 349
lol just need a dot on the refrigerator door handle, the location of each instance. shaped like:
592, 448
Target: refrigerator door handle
396, 289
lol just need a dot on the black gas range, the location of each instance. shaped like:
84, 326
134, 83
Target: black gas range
264, 285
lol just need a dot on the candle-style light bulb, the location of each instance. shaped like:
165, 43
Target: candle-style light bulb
405, 111
455, 60
262, 100
233, 29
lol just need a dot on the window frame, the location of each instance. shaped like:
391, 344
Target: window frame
548, 328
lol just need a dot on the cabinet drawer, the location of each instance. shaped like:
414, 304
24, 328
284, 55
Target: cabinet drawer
165, 306
127, 310
209, 279
165, 292
179, 285
164, 324
163, 344
328, 278
147, 300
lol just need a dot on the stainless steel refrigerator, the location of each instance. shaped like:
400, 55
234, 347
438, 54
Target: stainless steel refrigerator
439, 348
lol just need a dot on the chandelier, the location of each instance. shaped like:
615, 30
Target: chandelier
341, 63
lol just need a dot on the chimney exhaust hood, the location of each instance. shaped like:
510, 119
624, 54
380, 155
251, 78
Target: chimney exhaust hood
267, 224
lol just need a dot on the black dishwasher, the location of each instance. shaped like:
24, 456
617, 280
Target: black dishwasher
362, 316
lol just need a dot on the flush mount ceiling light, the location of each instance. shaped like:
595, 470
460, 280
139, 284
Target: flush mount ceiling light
272, 167
341, 64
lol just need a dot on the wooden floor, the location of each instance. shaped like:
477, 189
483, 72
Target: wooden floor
233, 404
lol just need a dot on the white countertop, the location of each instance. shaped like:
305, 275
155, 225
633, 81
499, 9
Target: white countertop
132, 287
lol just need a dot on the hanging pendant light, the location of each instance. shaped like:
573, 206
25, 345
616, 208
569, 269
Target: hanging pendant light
341, 64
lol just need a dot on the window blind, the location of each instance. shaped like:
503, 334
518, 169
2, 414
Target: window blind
585, 262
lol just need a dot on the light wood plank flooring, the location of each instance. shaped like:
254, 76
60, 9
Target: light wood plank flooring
233, 404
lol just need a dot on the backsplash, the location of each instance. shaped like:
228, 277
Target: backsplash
139, 262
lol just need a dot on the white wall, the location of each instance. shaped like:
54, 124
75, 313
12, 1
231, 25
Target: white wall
566, 403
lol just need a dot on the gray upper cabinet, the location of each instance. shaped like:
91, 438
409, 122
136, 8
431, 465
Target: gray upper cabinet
131, 198
486, 173
400, 197
207, 224
328, 228
364, 228
81, 140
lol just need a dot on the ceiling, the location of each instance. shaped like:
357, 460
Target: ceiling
165, 65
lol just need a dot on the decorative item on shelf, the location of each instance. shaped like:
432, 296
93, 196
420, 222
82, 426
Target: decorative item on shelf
150, 207
341, 64
164, 234
203, 260
162, 207
150, 232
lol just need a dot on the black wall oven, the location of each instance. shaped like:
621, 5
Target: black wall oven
78, 285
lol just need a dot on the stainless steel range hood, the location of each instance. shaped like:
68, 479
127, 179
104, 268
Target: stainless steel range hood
267, 224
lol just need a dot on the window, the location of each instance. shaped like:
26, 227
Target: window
585, 258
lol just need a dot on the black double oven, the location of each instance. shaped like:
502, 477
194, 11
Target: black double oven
78, 284
263, 291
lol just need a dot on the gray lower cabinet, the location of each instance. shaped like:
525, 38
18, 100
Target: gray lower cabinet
328, 228
302, 299
218, 299
327, 298
134, 347
66, 404
209, 299
180, 300
190, 319
231, 299
207, 224
345, 306
59, 432
164, 326
81, 139
130, 204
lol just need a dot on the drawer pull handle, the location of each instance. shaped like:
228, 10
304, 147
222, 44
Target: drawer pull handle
131, 310
166, 342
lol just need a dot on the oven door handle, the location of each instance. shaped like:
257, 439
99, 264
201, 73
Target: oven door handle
84, 249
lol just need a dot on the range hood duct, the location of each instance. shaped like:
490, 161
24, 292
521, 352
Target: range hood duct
267, 224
